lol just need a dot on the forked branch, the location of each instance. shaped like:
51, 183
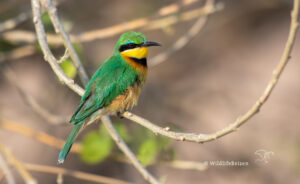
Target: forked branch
201, 138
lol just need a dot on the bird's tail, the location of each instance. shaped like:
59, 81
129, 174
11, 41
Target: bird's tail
69, 142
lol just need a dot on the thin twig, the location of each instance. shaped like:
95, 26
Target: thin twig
57, 143
185, 165
7, 173
17, 53
193, 137
241, 120
22, 17
22, 36
201, 138
64, 57
76, 174
53, 62
186, 38
13, 22
180, 43
123, 146
47, 52
28, 179
175, 164
60, 178
144, 23
59, 29
33, 104
36, 135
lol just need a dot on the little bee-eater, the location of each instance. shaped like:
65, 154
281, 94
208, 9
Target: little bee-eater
116, 85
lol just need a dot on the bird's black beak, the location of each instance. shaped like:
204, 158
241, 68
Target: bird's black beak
149, 44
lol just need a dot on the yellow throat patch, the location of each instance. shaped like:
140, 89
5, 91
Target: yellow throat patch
139, 52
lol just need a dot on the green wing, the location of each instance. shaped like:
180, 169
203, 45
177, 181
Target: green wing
111, 80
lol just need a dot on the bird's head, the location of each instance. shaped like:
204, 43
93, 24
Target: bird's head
134, 45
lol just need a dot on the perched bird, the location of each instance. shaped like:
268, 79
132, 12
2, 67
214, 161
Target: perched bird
116, 85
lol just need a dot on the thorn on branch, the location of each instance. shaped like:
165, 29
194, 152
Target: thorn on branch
64, 57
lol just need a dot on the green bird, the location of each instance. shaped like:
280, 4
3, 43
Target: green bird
116, 85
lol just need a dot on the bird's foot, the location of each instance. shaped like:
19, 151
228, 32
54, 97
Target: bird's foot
119, 114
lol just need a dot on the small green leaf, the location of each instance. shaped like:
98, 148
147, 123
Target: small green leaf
96, 146
122, 130
148, 151
69, 68
163, 142
47, 23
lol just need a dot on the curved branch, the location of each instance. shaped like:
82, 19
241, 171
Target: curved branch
29, 99
165, 131
123, 146
146, 23
180, 43
28, 179
13, 22
186, 38
57, 143
9, 177
53, 62
201, 138
48, 55
76, 174
59, 28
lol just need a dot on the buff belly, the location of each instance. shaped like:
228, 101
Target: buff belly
126, 100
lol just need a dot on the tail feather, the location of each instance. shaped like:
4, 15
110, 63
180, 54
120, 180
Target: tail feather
69, 142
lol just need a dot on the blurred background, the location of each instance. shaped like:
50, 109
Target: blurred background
200, 88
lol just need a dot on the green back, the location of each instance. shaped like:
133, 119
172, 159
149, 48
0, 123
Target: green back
112, 78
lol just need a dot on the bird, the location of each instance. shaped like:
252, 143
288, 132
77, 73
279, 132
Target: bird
115, 87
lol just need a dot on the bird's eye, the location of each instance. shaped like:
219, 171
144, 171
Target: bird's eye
131, 45
127, 46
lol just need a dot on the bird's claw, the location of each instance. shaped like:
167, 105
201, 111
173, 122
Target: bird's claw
119, 114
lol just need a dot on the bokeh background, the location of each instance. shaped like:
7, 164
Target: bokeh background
201, 88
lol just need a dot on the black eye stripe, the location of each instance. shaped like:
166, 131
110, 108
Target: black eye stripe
128, 46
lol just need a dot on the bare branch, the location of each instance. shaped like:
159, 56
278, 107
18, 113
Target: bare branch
13, 22
22, 36
76, 174
47, 52
180, 43
186, 165
7, 173
64, 57
186, 38
164, 131
201, 138
18, 165
17, 53
187, 136
60, 178
143, 23
33, 104
57, 143
50, 58
36, 135
51, 9
146, 24
122, 145
22, 17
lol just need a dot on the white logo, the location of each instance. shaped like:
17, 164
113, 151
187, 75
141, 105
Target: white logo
264, 156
